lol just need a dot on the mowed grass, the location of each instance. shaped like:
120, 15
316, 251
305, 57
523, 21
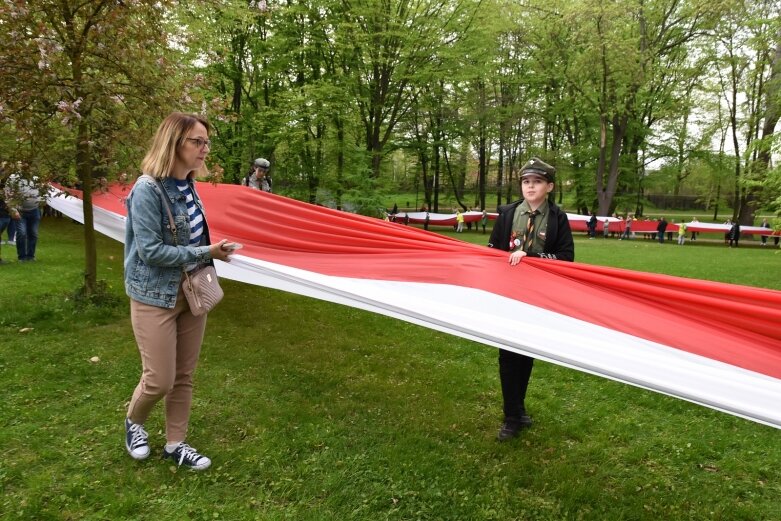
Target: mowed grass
316, 411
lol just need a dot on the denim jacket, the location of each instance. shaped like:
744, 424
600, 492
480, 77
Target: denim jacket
153, 265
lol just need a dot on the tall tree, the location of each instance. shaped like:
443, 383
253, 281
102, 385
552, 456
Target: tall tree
394, 43
616, 61
99, 68
746, 42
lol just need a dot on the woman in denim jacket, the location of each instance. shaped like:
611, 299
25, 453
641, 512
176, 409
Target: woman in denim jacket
169, 336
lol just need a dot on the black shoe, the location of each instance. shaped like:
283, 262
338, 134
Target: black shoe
136, 440
512, 427
186, 456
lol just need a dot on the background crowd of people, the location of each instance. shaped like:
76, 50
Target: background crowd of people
20, 211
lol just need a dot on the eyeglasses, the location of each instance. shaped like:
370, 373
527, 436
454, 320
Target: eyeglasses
200, 142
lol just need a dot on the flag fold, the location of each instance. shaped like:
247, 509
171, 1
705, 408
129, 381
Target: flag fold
711, 343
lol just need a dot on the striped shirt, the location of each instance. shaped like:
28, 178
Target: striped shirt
195, 215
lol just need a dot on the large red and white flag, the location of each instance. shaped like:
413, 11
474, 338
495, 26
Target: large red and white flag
715, 344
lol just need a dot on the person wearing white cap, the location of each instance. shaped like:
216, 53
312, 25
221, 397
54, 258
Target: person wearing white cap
258, 177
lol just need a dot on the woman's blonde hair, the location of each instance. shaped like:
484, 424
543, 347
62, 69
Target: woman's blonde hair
161, 157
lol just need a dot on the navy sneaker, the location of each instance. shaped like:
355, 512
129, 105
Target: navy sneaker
186, 456
512, 427
136, 440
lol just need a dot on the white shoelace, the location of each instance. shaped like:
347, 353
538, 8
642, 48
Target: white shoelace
139, 438
188, 453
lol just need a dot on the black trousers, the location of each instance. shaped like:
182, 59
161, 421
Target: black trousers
514, 373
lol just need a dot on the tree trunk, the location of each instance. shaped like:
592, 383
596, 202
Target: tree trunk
452, 180
236, 143
339, 160
716, 205
437, 165
681, 168
437, 180
605, 192
499, 167
771, 117
84, 172
375, 144
772, 111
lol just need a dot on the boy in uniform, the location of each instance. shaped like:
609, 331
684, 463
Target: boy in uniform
531, 227
258, 177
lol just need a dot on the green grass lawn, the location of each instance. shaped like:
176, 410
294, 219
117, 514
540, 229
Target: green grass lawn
315, 411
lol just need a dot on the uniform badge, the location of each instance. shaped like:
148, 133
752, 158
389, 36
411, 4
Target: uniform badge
514, 240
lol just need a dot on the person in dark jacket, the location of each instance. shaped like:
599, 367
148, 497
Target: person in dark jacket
734, 234
531, 227
661, 228
592, 226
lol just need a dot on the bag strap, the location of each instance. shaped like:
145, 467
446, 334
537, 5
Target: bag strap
164, 200
171, 224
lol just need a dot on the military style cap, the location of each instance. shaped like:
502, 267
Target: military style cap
261, 163
538, 167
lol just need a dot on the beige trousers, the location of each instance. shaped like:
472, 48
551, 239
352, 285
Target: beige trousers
169, 341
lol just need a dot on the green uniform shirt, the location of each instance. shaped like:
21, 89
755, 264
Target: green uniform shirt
521, 220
